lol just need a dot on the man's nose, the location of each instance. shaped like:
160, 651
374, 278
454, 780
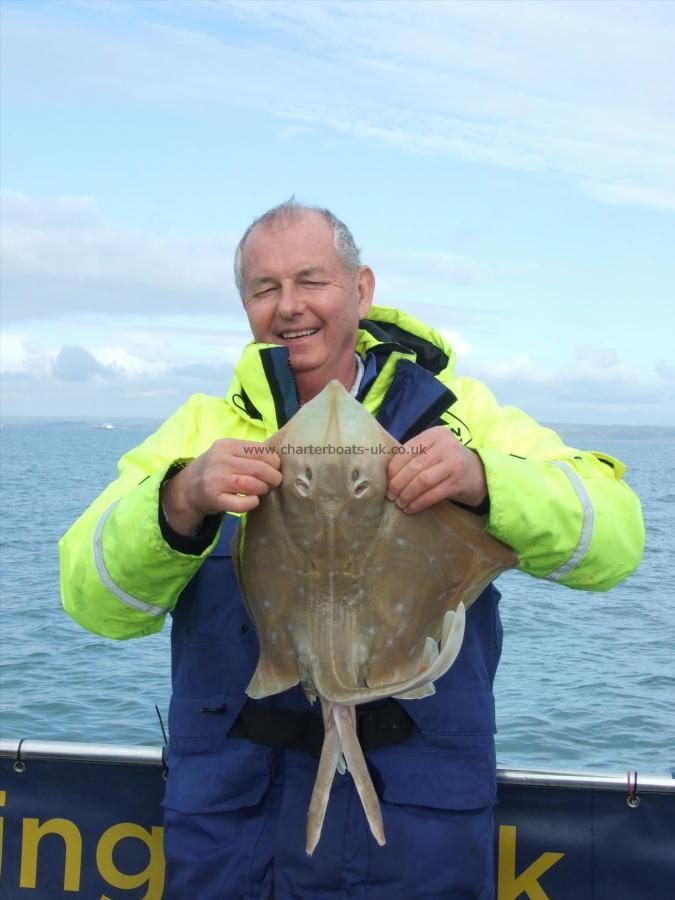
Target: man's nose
291, 302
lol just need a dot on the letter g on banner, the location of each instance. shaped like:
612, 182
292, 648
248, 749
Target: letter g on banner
152, 875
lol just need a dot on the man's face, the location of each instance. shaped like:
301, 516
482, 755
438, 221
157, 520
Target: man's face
298, 293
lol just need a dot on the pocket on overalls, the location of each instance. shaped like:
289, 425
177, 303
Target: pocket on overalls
437, 813
208, 771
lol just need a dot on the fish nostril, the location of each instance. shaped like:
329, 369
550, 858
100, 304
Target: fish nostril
308, 474
355, 475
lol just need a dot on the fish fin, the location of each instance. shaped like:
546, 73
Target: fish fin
310, 693
426, 690
345, 721
267, 680
328, 763
429, 654
235, 551
451, 642
435, 664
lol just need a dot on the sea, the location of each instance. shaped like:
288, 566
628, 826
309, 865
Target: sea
586, 681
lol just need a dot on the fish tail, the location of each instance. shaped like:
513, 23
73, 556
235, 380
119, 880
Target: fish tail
328, 763
345, 721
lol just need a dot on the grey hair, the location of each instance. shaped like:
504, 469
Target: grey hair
291, 211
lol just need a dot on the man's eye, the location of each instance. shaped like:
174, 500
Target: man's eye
314, 283
264, 292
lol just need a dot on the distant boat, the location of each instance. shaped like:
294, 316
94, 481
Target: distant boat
105, 426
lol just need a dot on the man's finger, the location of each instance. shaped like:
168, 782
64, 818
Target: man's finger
244, 484
411, 467
253, 467
423, 481
427, 499
255, 451
237, 502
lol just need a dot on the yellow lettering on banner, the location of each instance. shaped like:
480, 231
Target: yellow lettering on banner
3, 796
509, 887
33, 833
153, 874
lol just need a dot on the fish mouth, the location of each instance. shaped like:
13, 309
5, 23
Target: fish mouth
298, 333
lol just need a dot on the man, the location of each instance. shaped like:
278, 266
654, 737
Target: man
157, 541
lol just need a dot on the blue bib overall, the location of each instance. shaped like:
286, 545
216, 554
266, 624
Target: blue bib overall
236, 811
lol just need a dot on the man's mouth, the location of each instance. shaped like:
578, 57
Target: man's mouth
291, 335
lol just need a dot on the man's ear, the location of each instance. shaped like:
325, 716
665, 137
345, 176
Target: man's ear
365, 289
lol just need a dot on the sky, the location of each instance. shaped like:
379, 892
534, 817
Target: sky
507, 169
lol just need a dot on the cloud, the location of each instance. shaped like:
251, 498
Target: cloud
665, 370
558, 87
61, 256
100, 380
77, 364
415, 265
461, 346
201, 372
596, 387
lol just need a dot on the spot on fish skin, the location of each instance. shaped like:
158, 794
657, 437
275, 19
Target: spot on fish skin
266, 604
360, 653
399, 607
402, 542
371, 630
390, 642
411, 652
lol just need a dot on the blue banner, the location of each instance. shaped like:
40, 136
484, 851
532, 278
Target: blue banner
93, 829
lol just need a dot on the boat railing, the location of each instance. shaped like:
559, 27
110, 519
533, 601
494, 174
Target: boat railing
153, 756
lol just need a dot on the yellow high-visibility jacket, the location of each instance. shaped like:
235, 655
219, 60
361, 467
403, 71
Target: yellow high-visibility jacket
566, 513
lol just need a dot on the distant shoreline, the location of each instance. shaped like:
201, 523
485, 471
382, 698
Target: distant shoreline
566, 429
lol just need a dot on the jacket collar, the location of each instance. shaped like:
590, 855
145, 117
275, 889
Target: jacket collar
401, 357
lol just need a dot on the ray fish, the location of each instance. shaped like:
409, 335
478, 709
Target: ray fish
352, 598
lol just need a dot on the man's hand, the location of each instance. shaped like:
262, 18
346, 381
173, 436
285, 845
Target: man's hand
230, 477
435, 466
